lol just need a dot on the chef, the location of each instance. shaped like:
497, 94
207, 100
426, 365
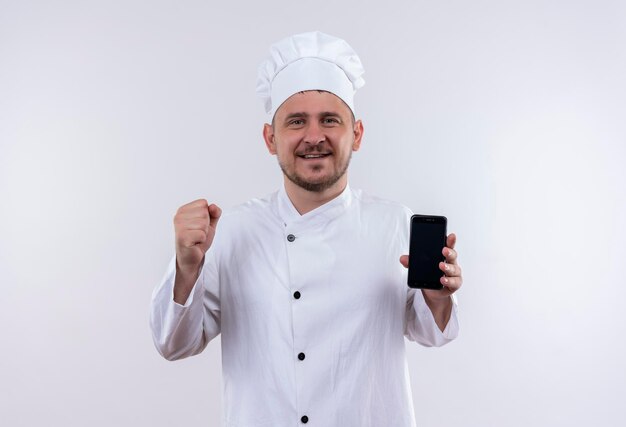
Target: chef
308, 285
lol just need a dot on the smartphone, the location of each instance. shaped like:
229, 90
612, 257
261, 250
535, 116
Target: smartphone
428, 238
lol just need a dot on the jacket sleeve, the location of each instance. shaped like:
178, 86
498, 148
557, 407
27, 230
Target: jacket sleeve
420, 324
180, 331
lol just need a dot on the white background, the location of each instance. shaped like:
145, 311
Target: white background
509, 117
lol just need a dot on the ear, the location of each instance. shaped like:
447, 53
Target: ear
268, 136
358, 135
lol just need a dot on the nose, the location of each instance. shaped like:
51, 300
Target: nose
314, 134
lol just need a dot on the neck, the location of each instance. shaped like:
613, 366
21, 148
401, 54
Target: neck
305, 201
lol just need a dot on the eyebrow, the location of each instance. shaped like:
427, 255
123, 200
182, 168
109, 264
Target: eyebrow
306, 115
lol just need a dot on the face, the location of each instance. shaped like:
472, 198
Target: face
313, 136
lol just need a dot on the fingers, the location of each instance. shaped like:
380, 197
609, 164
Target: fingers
451, 240
200, 209
450, 255
195, 223
453, 278
195, 209
452, 283
196, 204
193, 238
450, 270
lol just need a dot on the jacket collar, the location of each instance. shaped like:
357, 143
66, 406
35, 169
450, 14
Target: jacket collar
329, 210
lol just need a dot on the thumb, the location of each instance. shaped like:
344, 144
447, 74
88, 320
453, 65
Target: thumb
404, 260
214, 215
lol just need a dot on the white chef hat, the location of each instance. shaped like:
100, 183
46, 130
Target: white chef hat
309, 61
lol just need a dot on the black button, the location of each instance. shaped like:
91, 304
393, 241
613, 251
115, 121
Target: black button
291, 237
304, 419
296, 295
301, 356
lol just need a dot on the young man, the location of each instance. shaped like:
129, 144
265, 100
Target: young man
305, 286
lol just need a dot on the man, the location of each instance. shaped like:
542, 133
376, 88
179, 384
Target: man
304, 285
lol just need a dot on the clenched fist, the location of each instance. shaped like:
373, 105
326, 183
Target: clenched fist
194, 226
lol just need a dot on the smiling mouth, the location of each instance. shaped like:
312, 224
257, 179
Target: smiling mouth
313, 156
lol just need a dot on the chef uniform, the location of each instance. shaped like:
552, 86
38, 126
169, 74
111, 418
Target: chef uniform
312, 309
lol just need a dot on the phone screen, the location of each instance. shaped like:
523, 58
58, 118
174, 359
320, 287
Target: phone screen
428, 238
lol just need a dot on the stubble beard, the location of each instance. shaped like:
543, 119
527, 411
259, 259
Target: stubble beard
316, 186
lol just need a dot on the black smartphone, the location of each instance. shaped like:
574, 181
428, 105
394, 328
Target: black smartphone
428, 238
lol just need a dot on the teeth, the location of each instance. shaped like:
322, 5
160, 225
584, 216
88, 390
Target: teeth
313, 156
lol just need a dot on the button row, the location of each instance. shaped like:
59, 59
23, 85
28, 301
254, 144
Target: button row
297, 295
301, 356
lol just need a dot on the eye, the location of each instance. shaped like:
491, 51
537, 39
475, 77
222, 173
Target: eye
331, 120
295, 122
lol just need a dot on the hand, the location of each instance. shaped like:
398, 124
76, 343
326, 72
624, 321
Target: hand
452, 279
194, 226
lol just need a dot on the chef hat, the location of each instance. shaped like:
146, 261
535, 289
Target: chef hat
309, 61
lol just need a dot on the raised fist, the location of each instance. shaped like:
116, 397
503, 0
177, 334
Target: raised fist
194, 226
